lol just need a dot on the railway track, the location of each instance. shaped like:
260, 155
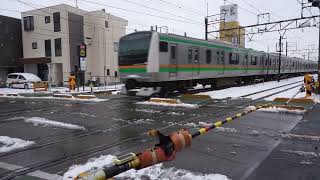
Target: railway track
140, 136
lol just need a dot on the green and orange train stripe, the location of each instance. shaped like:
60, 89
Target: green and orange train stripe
188, 68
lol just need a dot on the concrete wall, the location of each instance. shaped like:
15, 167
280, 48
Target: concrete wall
10, 47
100, 43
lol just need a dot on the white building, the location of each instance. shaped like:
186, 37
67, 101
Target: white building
51, 37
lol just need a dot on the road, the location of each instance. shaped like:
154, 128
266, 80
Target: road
118, 125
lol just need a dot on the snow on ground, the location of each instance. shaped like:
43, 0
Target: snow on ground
151, 111
153, 173
50, 123
303, 153
169, 104
301, 137
60, 89
57, 98
8, 144
235, 92
281, 110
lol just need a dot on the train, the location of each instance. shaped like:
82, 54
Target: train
170, 62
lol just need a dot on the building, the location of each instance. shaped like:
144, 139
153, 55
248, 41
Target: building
10, 47
52, 36
229, 20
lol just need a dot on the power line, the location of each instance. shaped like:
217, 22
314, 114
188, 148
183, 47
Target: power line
181, 7
142, 5
138, 12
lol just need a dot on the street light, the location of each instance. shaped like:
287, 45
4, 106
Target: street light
316, 3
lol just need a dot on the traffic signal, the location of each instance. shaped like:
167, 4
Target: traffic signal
315, 3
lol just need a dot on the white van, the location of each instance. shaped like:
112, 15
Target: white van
21, 80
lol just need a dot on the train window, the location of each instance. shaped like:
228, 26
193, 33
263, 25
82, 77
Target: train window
254, 60
163, 46
222, 57
218, 57
208, 56
266, 62
189, 56
196, 55
233, 58
173, 52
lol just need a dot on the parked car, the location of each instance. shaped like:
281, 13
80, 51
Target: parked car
21, 80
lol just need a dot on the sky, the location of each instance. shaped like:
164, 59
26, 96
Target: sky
187, 16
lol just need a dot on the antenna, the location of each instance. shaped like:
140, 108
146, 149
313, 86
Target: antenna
76, 1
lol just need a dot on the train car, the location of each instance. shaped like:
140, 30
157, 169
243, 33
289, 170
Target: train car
175, 63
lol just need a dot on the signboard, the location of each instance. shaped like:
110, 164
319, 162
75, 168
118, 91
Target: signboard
83, 64
229, 13
83, 50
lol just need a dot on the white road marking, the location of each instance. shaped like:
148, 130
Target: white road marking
38, 174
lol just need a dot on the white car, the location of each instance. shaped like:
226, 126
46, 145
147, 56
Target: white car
21, 80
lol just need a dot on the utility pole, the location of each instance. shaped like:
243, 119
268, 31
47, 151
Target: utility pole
286, 48
279, 64
206, 28
316, 3
319, 58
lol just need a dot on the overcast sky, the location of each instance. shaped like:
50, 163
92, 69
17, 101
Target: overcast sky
188, 16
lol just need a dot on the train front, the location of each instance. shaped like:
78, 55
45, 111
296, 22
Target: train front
138, 59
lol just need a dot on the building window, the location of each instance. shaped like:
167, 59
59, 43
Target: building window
115, 74
47, 19
108, 72
34, 45
56, 22
208, 56
47, 47
28, 23
57, 47
163, 46
106, 24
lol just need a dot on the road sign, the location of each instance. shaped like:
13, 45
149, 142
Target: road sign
83, 64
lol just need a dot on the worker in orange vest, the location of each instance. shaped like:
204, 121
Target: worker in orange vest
308, 84
72, 82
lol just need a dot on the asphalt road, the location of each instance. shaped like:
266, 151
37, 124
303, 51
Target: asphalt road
248, 149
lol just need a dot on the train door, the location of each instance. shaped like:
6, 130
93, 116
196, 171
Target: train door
196, 62
244, 63
173, 61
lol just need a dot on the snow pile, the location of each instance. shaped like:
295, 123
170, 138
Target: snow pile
8, 144
50, 123
57, 98
204, 124
155, 172
147, 111
303, 153
281, 110
225, 129
306, 162
169, 105
301, 137
176, 113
